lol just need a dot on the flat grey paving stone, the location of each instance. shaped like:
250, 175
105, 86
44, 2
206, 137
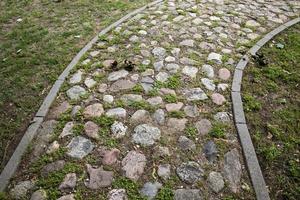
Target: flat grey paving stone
190, 172
146, 135
187, 194
76, 92
194, 94
150, 190
233, 170
79, 147
39, 195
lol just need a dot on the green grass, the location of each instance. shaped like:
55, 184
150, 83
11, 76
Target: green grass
35, 51
272, 104
131, 187
218, 130
170, 98
54, 179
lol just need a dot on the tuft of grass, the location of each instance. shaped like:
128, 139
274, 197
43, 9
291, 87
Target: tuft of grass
54, 179
251, 104
218, 130
173, 82
138, 89
191, 131
142, 105
176, 114
170, 98
165, 193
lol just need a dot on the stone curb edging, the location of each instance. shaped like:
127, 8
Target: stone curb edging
254, 170
31, 131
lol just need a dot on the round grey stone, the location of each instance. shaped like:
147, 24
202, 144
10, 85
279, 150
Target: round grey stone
146, 135
79, 147
190, 172
215, 181
76, 92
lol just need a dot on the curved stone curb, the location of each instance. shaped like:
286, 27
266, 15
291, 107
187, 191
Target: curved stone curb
31, 131
256, 176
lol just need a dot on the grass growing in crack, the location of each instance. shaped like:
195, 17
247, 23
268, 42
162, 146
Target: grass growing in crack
165, 193
218, 130
173, 82
51, 182
170, 98
105, 123
142, 105
137, 89
191, 132
45, 159
131, 187
176, 114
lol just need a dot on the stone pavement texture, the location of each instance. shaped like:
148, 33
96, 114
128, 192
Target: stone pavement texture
150, 102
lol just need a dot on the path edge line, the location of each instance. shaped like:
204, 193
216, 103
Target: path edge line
254, 170
14, 161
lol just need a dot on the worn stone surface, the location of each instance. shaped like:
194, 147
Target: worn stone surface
164, 171
76, 92
210, 151
150, 190
116, 112
184, 194
118, 129
215, 181
203, 126
146, 135
122, 85
133, 165
159, 116
79, 147
52, 167
140, 116
21, 189
190, 172
67, 197
218, 98
233, 170
94, 110
117, 75
91, 130
39, 195
177, 124
194, 94
186, 144
98, 178
69, 182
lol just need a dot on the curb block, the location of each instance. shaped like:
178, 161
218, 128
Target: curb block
31, 131
15, 159
254, 170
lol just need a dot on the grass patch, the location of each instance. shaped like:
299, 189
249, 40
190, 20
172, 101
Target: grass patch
272, 101
170, 98
176, 114
218, 130
191, 131
36, 50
